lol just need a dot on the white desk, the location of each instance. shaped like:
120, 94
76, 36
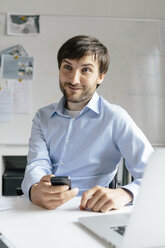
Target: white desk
29, 226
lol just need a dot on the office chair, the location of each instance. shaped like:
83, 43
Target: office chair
113, 184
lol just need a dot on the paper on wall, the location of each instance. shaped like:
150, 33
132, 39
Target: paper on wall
23, 24
17, 67
22, 96
5, 105
17, 50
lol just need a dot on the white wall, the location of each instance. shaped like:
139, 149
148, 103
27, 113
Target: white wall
147, 9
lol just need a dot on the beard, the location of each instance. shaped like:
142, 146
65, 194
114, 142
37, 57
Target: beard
83, 93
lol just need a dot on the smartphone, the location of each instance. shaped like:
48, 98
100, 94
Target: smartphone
56, 181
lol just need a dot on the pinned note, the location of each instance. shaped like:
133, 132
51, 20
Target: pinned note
5, 105
17, 50
15, 67
23, 24
22, 96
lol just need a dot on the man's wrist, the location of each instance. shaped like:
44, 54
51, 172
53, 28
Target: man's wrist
30, 191
130, 194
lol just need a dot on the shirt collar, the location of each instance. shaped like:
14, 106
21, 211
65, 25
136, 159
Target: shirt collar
93, 105
59, 107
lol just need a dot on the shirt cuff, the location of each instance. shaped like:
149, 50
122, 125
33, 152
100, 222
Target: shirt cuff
133, 188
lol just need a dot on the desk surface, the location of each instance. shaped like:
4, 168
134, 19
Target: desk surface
27, 225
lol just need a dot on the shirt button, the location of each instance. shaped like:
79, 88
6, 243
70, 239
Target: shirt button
67, 140
61, 163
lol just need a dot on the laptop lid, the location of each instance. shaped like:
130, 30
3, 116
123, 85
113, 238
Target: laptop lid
147, 222
146, 227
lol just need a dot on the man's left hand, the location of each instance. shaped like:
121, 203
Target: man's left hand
101, 199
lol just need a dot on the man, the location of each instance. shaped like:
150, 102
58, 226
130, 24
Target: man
83, 136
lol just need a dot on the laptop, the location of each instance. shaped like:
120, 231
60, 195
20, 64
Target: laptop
145, 226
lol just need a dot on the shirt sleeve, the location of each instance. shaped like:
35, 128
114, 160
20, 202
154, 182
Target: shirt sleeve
134, 147
38, 160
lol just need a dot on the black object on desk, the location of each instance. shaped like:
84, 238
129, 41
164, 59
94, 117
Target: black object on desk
13, 174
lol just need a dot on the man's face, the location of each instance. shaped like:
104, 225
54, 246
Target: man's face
79, 78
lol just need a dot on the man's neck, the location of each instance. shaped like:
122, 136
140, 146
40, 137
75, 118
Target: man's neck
78, 106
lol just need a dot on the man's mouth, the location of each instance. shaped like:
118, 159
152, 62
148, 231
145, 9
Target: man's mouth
74, 88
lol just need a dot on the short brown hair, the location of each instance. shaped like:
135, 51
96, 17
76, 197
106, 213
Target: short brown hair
82, 45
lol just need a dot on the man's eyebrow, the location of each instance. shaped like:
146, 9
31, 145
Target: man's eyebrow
89, 64
66, 61
82, 65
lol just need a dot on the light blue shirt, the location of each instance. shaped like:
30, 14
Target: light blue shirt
87, 147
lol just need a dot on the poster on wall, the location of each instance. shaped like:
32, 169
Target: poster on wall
22, 96
23, 24
17, 67
17, 50
5, 105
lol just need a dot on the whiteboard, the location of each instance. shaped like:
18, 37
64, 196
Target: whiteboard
135, 80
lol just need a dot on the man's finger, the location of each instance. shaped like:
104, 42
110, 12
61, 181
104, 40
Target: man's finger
46, 178
107, 207
93, 200
74, 192
58, 189
105, 200
59, 199
87, 195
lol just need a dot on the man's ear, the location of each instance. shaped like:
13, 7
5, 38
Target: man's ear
101, 78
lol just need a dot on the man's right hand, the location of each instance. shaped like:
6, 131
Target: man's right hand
47, 196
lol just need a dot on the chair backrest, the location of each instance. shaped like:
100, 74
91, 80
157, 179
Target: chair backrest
113, 183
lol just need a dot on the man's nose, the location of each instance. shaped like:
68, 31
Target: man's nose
75, 77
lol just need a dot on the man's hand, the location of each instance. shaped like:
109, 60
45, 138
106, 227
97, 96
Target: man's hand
101, 199
47, 196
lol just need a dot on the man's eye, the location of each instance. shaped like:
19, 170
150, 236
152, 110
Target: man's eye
85, 70
67, 67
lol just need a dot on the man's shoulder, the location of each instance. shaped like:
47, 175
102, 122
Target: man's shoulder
50, 106
111, 107
47, 109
